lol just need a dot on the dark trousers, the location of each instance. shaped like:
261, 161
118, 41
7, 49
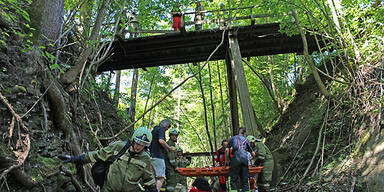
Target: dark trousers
239, 169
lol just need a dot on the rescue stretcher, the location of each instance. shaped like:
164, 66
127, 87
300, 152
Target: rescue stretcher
212, 171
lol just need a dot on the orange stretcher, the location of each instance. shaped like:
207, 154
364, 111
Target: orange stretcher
212, 171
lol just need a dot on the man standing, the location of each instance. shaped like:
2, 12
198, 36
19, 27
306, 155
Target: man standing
220, 161
239, 161
175, 159
199, 16
158, 149
263, 158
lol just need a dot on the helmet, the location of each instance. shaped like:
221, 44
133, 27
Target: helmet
174, 131
142, 136
251, 138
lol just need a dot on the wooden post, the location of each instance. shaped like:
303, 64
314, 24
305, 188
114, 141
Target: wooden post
232, 96
241, 83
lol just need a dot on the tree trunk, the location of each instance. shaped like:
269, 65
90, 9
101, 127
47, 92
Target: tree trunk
179, 104
71, 75
232, 97
320, 84
151, 112
212, 106
272, 80
117, 88
149, 96
132, 107
85, 19
205, 113
46, 17
222, 102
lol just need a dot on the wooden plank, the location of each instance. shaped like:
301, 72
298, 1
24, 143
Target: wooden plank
241, 83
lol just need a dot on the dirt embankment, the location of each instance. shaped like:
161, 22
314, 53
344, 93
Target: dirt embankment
348, 155
22, 76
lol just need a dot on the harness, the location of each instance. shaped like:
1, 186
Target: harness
240, 146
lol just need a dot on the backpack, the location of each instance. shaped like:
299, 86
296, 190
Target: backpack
100, 169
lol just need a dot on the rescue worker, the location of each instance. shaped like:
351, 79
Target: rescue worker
176, 18
158, 150
182, 162
263, 158
219, 159
173, 160
199, 16
239, 161
127, 172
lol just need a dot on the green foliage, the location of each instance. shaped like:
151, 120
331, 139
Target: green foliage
364, 22
367, 25
15, 16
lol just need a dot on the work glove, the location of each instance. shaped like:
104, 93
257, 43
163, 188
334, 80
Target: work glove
79, 159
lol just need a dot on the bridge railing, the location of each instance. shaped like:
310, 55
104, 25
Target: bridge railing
222, 17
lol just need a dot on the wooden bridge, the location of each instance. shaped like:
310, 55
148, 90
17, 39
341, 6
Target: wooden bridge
196, 46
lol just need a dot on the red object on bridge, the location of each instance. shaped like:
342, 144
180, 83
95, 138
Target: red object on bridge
212, 171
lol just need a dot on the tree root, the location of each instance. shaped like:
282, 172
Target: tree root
17, 173
59, 110
23, 144
58, 106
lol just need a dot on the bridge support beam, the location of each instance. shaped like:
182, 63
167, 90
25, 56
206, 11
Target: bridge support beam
232, 95
249, 118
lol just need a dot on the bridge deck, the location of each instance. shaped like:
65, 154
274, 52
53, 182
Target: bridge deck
196, 46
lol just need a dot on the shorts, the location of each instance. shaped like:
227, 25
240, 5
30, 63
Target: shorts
158, 166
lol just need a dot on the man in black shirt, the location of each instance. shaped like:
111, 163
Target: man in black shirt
158, 148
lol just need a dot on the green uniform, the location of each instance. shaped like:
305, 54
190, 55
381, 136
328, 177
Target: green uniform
125, 173
175, 181
265, 155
